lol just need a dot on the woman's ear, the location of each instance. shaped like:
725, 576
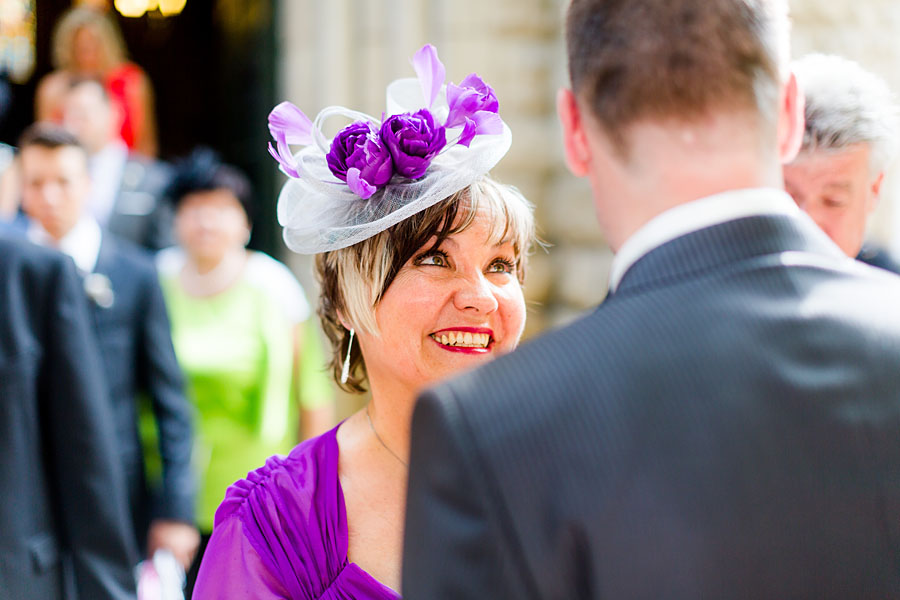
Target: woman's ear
344, 322
575, 142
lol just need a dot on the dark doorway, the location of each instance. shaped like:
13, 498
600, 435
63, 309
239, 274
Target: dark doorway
213, 71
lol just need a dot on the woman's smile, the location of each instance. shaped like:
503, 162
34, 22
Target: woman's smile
468, 340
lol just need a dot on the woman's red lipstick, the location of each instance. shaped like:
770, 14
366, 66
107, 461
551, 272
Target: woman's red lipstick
437, 337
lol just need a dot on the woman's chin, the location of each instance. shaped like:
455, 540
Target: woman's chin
453, 361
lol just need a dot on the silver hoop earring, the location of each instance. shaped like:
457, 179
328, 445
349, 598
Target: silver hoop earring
345, 371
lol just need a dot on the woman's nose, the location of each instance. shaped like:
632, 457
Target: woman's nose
475, 293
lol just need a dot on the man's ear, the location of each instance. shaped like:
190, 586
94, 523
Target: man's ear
791, 121
575, 142
875, 191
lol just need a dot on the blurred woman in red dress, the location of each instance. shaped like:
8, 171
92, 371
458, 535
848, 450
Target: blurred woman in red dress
87, 43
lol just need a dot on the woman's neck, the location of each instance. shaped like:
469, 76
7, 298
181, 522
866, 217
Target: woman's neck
390, 423
201, 278
373, 476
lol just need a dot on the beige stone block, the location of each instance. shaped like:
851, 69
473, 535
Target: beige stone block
533, 147
536, 321
522, 17
562, 315
805, 12
582, 275
531, 183
567, 213
539, 276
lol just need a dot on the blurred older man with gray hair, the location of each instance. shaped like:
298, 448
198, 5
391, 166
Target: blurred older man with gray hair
850, 140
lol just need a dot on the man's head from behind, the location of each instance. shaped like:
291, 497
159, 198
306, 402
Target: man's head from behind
849, 141
55, 180
683, 67
89, 113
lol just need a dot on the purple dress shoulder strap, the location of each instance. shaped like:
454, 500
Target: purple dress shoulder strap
282, 533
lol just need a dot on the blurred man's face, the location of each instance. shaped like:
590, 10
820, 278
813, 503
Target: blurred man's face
55, 184
837, 189
89, 116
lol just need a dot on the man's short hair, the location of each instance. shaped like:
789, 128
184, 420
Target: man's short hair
46, 135
676, 59
847, 105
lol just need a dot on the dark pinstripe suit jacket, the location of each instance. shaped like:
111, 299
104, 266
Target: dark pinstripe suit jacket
62, 495
135, 341
727, 425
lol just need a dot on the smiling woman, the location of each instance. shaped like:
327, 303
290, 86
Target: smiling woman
456, 254
421, 258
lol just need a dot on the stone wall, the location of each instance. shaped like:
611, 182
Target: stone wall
346, 51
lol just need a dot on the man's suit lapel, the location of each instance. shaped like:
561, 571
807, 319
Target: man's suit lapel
717, 247
101, 291
106, 255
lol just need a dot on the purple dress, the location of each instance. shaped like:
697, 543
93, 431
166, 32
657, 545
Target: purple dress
282, 533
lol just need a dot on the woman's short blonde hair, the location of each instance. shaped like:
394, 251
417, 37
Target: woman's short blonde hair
354, 279
99, 24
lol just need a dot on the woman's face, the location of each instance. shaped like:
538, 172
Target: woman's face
448, 309
209, 224
87, 51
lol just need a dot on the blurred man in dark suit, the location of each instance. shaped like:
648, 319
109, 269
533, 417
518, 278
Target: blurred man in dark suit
850, 140
131, 327
725, 424
127, 189
64, 523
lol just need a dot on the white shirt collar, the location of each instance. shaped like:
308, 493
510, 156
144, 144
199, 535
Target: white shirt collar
82, 242
695, 215
106, 167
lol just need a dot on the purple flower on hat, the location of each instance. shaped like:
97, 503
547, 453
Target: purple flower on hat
430, 72
473, 105
359, 157
288, 125
413, 140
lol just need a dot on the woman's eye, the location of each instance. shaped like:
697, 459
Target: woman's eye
435, 259
502, 265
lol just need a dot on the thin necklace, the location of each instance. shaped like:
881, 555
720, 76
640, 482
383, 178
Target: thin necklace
381, 441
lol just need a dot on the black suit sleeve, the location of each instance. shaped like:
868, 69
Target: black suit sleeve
78, 418
161, 377
455, 542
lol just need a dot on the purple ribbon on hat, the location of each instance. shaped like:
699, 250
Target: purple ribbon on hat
367, 157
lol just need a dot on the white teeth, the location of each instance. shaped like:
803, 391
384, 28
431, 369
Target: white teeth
463, 339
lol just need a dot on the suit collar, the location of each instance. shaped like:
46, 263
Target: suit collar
727, 243
107, 254
81, 243
696, 215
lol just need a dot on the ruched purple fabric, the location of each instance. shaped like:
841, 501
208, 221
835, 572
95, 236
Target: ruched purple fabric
282, 533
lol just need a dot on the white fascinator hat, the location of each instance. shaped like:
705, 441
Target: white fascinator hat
432, 141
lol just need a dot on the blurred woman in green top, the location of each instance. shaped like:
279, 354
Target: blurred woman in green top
241, 334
